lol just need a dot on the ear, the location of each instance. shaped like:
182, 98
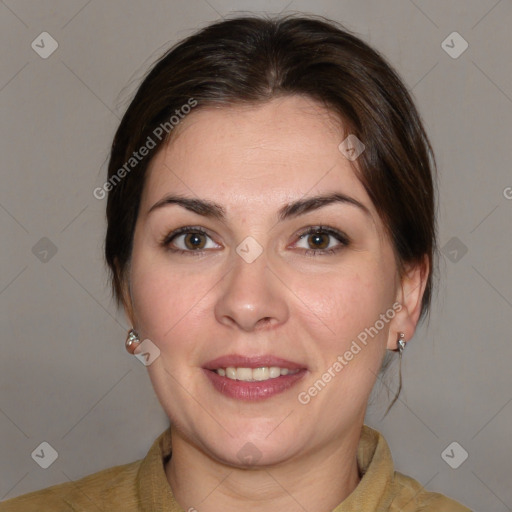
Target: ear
128, 306
408, 298
126, 298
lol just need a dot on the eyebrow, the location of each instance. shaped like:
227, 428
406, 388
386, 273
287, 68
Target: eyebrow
210, 209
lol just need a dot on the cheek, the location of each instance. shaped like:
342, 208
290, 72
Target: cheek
346, 302
167, 300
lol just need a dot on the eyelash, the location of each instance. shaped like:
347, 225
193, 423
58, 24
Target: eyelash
338, 235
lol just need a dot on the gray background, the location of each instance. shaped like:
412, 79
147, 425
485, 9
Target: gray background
65, 376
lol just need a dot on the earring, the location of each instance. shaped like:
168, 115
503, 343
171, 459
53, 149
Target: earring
400, 347
401, 343
132, 341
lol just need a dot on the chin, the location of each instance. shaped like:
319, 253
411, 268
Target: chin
249, 454
252, 444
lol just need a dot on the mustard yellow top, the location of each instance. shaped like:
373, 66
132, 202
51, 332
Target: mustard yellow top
142, 486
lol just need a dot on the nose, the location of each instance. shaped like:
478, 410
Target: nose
253, 297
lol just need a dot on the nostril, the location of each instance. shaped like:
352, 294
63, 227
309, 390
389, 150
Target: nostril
265, 321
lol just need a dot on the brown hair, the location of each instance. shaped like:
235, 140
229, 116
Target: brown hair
254, 59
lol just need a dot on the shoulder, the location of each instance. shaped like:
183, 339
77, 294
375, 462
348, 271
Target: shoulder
412, 496
98, 491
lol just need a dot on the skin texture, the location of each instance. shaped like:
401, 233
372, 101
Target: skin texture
305, 308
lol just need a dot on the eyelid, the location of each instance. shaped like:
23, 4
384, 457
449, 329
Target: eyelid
311, 230
342, 239
167, 239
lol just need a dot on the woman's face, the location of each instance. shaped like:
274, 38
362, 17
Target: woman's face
250, 292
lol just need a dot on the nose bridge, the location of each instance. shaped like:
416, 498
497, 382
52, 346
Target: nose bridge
252, 295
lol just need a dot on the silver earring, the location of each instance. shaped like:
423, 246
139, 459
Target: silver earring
132, 341
401, 343
400, 347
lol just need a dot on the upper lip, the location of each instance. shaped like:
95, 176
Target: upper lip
241, 361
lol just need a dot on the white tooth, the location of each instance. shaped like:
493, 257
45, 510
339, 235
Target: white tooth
256, 374
244, 374
231, 373
274, 371
260, 373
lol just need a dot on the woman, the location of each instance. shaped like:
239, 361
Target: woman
271, 236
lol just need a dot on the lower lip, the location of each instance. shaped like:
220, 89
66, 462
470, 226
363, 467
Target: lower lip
252, 391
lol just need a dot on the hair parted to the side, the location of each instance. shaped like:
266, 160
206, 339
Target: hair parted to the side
253, 59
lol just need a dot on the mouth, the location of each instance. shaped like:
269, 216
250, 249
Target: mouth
253, 378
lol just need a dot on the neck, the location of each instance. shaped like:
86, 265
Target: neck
319, 480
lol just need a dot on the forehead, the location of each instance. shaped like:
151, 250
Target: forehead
255, 156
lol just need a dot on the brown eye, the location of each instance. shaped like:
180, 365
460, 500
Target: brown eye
194, 241
318, 241
188, 240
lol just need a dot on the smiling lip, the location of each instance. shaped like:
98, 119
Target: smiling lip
252, 391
